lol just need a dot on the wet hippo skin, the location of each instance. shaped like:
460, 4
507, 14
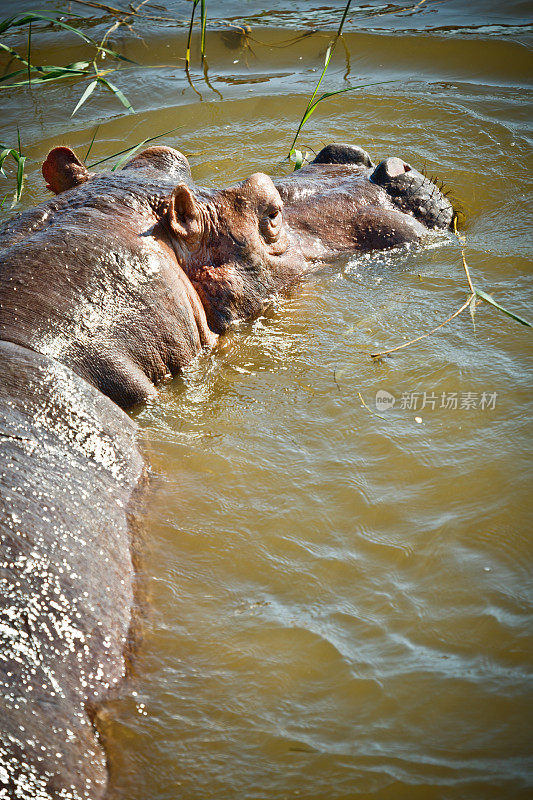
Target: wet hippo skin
105, 290
125, 276
69, 469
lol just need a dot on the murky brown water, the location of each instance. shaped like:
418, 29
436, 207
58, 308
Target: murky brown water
340, 604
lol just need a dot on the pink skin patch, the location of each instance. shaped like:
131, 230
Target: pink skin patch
395, 167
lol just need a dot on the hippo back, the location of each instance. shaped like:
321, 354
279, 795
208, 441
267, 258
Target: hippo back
69, 470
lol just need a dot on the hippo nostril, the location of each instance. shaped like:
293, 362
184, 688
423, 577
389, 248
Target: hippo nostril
343, 154
416, 194
395, 167
388, 170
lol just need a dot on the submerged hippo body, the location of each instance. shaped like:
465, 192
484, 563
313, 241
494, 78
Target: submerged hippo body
116, 283
69, 472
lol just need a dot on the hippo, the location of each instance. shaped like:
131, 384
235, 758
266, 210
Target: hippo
125, 276
110, 287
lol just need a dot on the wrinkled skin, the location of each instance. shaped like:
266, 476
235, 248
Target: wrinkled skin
105, 290
124, 277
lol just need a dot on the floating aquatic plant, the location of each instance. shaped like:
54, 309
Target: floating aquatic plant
475, 296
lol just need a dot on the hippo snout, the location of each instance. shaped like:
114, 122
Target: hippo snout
413, 193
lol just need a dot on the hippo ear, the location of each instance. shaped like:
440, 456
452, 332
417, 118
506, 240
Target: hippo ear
184, 215
63, 170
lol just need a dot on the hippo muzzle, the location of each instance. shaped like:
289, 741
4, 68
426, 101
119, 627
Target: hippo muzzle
413, 193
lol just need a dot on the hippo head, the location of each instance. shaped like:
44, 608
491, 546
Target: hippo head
234, 245
239, 246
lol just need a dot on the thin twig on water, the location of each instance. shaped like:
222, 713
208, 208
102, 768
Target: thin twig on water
475, 295
429, 333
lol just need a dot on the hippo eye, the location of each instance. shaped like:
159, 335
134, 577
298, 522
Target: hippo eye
270, 225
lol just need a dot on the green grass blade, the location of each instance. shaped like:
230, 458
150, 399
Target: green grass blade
46, 71
18, 20
59, 74
47, 74
6, 24
20, 176
20, 159
114, 54
78, 65
29, 53
298, 158
310, 104
127, 155
69, 70
35, 16
40, 17
189, 37
46, 17
145, 141
27, 19
488, 299
86, 38
91, 145
119, 95
3, 155
53, 77
327, 59
13, 53
343, 20
87, 93
12, 75
203, 20
324, 96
